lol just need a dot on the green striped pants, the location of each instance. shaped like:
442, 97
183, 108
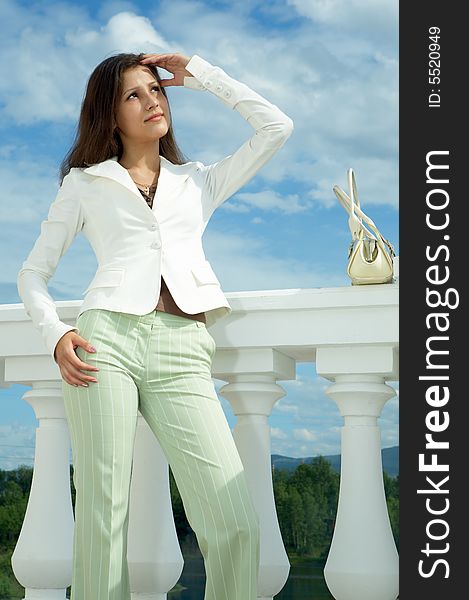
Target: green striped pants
158, 364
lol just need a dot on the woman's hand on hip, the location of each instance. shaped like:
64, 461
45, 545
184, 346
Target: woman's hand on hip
70, 365
174, 63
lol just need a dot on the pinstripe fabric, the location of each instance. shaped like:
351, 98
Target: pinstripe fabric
158, 364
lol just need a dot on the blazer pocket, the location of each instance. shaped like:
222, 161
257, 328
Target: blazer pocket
106, 278
204, 274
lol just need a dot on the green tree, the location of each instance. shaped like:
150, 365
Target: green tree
391, 489
281, 495
297, 519
179, 513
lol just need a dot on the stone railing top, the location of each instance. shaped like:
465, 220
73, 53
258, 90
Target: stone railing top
295, 322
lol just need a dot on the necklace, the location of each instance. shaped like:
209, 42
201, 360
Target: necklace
146, 188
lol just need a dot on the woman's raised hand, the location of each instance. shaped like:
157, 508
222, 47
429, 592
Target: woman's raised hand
174, 63
70, 365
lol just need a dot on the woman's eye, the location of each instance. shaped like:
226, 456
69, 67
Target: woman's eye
155, 87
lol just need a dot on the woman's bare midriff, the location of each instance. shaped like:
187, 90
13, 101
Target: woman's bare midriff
167, 304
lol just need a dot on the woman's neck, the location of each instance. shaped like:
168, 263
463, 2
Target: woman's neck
140, 160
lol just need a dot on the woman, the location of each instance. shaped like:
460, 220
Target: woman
143, 322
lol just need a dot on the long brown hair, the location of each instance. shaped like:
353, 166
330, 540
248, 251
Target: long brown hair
96, 139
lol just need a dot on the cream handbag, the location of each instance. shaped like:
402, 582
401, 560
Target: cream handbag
371, 257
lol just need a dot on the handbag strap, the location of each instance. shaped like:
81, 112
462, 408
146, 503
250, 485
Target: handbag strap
356, 216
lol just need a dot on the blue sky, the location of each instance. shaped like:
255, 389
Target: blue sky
331, 65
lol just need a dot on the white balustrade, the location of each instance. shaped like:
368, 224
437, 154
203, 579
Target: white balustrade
252, 392
42, 559
352, 334
363, 561
153, 552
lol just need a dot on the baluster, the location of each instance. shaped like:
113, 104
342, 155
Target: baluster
42, 559
363, 562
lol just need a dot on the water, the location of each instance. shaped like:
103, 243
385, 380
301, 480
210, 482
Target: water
305, 582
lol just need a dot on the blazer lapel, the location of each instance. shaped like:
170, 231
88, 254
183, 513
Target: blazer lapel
170, 177
113, 170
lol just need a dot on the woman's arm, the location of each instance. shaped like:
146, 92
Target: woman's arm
63, 222
272, 129
272, 126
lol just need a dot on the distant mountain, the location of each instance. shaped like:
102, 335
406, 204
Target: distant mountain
389, 457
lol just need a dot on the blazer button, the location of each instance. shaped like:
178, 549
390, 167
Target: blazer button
227, 93
208, 83
154, 226
219, 88
156, 245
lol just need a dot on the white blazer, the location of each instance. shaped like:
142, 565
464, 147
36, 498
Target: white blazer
134, 244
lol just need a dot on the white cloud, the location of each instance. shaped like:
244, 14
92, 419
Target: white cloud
343, 116
267, 200
250, 263
278, 434
389, 421
369, 18
305, 434
307, 414
283, 407
376, 179
53, 58
24, 203
124, 31
17, 444
326, 442
109, 8
28, 201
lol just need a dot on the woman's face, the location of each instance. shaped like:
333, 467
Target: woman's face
141, 97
